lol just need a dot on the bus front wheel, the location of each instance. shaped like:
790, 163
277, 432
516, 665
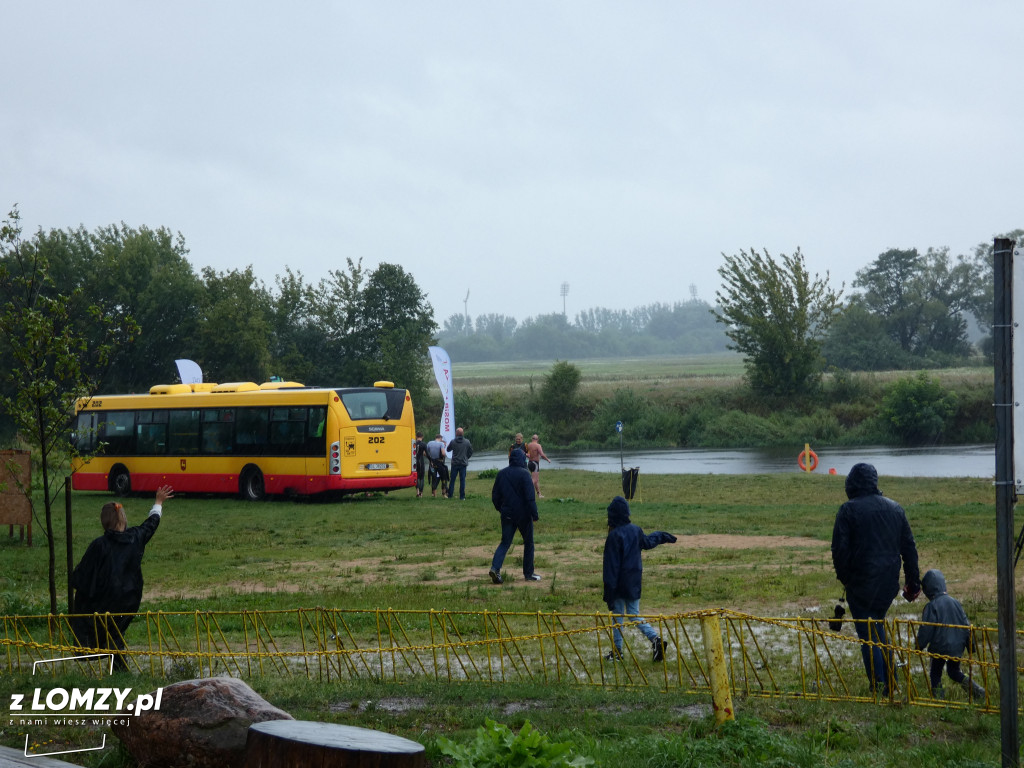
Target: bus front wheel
120, 481
251, 485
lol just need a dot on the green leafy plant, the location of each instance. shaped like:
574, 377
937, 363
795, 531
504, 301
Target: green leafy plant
497, 746
918, 410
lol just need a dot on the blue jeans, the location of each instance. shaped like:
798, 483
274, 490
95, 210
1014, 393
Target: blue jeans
631, 608
869, 621
508, 530
459, 472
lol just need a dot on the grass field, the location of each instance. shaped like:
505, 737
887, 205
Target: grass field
684, 371
687, 371
758, 544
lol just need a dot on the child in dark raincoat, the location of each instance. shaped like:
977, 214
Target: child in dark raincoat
623, 574
949, 639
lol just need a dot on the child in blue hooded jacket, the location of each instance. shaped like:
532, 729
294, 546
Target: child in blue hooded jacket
623, 574
947, 632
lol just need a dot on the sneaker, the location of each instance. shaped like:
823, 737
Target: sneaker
495, 577
613, 656
658, 647
532, 577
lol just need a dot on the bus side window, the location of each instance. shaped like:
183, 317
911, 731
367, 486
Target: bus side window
218, 430
314, 440
86, 435
217, 438
184, 432
317, 421
152, 439
119, 432
288, 429
251, 430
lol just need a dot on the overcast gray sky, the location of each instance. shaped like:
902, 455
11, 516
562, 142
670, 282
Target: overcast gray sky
503, 148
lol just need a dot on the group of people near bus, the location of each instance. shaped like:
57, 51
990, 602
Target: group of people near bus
431, 461
871, 541
432, 458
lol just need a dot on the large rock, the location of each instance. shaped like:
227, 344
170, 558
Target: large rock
201, 723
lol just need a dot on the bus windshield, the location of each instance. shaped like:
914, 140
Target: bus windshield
373, 403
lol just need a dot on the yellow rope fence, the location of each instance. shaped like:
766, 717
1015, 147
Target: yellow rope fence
765, 657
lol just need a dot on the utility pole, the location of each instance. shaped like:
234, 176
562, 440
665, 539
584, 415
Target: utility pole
1002, 333
465, 310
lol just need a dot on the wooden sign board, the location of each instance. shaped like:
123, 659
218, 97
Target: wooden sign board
16, 474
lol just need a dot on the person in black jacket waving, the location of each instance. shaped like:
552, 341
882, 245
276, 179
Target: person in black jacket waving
512, 495
870, 538
623, 574
109, 577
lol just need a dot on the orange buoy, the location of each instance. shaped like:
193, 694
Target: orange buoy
807, 460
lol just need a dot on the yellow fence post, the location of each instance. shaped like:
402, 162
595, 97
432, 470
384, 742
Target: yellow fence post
721, 695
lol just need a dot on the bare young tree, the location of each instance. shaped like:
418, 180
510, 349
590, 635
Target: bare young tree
776, 314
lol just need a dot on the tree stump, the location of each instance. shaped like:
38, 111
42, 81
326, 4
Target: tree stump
284, 743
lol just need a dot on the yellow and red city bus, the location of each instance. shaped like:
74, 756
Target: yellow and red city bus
249, 439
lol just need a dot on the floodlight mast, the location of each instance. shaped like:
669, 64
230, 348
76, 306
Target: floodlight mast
565, 292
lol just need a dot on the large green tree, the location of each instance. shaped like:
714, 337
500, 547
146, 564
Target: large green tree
923, 300
298, 340
776, 315
857, 341
394, 326
50, 363
336, 307
235, 330
138, 273
983, 283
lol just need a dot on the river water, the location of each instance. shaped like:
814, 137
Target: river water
946, 461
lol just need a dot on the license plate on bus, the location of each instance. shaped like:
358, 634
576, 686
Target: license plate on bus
376, 466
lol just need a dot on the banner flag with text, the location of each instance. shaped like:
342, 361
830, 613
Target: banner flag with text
443, 374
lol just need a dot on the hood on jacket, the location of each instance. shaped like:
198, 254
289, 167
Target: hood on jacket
933, 583
862, 481
618, 512
517, 458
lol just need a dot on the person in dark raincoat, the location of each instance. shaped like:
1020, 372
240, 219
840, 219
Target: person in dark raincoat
109, 578
870, 538
512, 495
623, 575
945, 631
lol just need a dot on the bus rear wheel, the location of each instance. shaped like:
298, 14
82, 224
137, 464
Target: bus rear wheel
250, 484
119, 481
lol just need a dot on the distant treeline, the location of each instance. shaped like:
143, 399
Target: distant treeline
684, 328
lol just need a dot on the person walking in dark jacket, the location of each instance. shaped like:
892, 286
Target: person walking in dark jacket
946, 631
512, 495
623, 575
109, 577
870, 538
461, 451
